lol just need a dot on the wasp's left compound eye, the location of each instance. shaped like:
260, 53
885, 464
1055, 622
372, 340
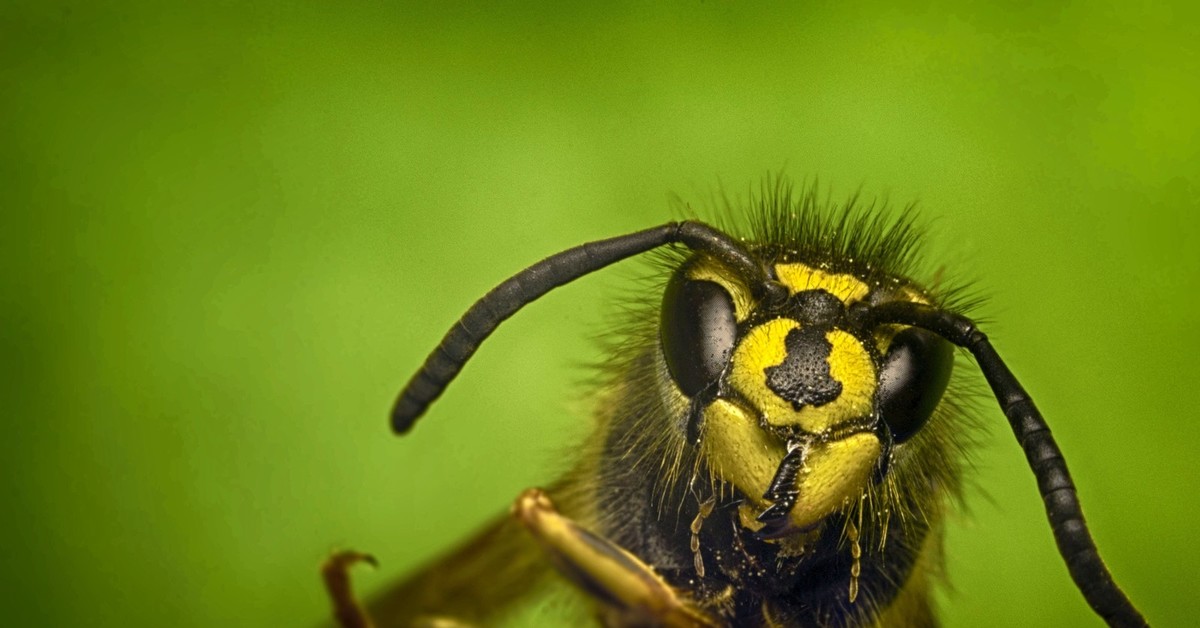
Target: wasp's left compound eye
914, 376
698, 332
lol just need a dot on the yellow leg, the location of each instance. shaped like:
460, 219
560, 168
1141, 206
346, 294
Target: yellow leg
627, 590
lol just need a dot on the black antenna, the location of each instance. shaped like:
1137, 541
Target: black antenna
464, 338
1074, 541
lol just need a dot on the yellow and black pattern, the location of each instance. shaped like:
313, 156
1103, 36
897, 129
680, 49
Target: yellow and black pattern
829, 259
776, 442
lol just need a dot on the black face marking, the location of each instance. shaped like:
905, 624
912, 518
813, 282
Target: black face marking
818, 307
803, 378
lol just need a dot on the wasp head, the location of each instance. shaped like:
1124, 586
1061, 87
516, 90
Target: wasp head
797, 400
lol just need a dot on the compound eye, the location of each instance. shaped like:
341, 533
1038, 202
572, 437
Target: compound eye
698, 332
915, 372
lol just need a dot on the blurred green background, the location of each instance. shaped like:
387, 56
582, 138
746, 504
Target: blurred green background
230, 233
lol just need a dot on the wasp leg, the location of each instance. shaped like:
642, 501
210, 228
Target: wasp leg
440, 622
347, 610
627, 590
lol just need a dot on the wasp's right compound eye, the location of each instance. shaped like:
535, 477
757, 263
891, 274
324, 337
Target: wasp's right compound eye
698, 332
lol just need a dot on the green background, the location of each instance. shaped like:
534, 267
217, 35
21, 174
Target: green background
231, 233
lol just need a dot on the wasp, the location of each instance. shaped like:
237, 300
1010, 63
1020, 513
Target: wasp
777, 442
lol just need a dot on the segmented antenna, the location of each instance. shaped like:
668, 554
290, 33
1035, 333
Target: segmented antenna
1071, 534
464, 338
1058, 492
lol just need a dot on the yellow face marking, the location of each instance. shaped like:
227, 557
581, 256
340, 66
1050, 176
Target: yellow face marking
834, 474
849, 363
799, 277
